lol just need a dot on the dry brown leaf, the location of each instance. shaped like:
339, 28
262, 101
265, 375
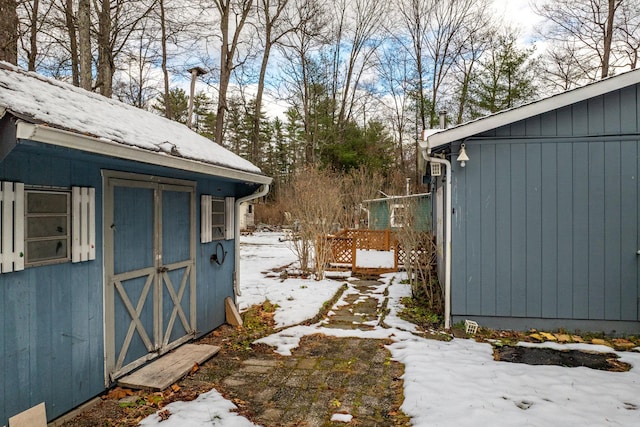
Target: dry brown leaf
118, 393
175, 388
164, 414
239, 402
195, 368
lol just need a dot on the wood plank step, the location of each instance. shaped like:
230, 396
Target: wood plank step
162, 372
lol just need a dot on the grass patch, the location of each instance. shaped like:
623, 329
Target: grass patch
257, 322
414, 311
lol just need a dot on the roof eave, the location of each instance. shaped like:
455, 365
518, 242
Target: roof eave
529, 110
63, 138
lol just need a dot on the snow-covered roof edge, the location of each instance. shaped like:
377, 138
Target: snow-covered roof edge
534, 108
58, 113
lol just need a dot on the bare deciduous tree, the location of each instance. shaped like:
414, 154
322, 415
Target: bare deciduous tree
233, 15
359, 34
275, 24
395, 74
302, 75
629, 31
588, 23
450, 25
563, 67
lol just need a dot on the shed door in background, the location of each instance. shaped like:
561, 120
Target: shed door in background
150, 271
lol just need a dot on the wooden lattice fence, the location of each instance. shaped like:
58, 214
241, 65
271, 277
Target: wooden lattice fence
345, 243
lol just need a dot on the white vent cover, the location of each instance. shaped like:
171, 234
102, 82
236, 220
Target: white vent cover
436, 169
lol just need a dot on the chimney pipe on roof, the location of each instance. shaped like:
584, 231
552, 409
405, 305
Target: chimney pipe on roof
443, 119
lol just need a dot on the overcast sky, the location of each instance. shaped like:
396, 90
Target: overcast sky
519, 12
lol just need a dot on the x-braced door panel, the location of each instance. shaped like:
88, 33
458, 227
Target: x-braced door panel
150, 270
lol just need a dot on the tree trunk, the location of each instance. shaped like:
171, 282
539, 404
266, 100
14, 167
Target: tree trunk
225, 75
84, 44
608, 37
73, 42
33, 37
163, 27
255, 148
9, 31
227, 52
105, 60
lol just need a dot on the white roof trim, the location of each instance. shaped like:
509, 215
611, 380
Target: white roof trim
529, 110
63, 138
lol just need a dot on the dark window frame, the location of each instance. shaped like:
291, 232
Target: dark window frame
29, 240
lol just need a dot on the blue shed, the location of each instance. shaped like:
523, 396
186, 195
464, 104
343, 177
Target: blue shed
118, 239
395, 212
540, 222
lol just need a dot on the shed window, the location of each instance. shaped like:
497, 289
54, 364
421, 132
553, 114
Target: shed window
47, 229
45, 226
398, 215
216, 221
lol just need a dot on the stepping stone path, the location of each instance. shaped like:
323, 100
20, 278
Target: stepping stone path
362, 309
324, 376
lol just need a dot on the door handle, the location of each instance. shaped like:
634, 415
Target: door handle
163, 269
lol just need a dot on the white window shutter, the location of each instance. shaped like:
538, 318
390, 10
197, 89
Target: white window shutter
229, 215
12, 227
206, 234
83, 228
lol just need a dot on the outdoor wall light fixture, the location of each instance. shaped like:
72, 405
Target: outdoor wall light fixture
462, 156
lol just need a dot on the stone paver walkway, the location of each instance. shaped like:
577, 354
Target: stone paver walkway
326, 375
364, 302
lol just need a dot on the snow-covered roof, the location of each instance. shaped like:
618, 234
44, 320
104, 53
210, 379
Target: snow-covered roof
505, 117
58, 113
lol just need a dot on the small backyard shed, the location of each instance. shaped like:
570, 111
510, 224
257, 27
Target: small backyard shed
540, 221
118, 239
395, 212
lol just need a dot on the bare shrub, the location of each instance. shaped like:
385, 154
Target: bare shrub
315, 204
271, 213
419, 256
357, 186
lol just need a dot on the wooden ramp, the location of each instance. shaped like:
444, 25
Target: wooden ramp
161, 373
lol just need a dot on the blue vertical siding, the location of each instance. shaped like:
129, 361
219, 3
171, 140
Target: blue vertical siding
488, 229
548, 230
503, 233
630, 206
518, 208
51, 317
545, 222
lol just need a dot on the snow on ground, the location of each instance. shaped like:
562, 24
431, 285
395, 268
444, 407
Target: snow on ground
297, 299
454, 383
209, 409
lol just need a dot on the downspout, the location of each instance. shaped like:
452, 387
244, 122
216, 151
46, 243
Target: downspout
262, 191
426, 153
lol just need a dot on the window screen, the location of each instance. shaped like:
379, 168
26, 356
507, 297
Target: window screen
217, 219
47, 228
